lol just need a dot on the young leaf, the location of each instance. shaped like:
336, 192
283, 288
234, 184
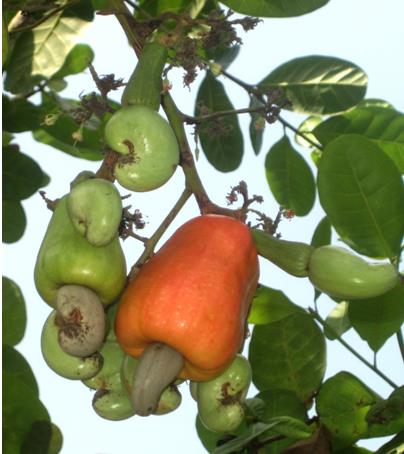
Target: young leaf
274, 8
306, 128
376, 319
290, 178
14, 221
221, 138
13, 312
385, 127
40, 53
257, 127
362, 193
337, 321
319, 85
342, 404
288, 354
77, 60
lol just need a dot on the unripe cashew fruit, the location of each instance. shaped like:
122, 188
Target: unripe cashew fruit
84, 175
148, 147
168, 401
60, 362
113, 405
95, 209
220, 401
81, 319
109, 376
65, 257
337, 272
291, 256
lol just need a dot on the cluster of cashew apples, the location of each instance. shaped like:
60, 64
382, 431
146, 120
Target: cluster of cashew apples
183, 316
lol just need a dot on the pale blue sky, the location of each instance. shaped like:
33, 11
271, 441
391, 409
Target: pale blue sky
362, 31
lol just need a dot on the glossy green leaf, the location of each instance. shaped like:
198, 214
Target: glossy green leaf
387, 416
306, 128
271, 305
15, 363
377, 319
375, 102
22, 176
288, 354
274, 8
13, 312
318, 84
385, 127
21, 409
77, 60
221, 139
20, 115
59, 130
14, 221
40, 53
337, 321
362, 193
345, 416
280, 402
257, 127
290, 178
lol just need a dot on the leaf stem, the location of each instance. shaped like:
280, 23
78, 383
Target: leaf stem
322, 322
400, 341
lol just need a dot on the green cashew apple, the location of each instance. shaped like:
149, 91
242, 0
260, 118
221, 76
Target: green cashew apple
147, 145
220, 401
339, 273
60, 362
95, 210
109, 376
84, 175
81, 318
113, 405
144, 86
65, 257
170, 399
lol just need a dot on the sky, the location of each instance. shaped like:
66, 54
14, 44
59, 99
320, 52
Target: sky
361, 31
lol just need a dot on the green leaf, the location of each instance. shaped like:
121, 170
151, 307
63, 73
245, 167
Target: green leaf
322, 233
17, 365
290, 178
318, 84
306, 128
280, 402
59, 129
288, 354
342, 404
257, 126
270, 305
274, 8
387, 417
156, 7
77, 60
208, 438
40, 53
337, 321
385, 127
21, 409
377, 319
34, 442
221, 138
22, 176
374, 102
362, 193
13, 312
14, 221
20, 115
224, 55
